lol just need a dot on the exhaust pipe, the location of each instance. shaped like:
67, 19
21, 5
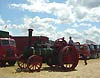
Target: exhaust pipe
30, 37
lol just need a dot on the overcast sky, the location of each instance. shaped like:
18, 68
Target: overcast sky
53, 18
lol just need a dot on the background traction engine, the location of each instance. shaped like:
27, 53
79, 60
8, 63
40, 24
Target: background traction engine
63, 56
28, 59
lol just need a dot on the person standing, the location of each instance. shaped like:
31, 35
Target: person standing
71, 42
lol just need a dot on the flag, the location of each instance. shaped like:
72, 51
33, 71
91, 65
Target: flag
5, 27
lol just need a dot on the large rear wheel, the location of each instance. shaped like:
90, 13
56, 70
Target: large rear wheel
68, 58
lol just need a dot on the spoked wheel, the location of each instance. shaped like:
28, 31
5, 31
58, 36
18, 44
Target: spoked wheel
22, 63
34, 63
68, 58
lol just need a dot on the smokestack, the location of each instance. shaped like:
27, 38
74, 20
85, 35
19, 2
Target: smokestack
30, 36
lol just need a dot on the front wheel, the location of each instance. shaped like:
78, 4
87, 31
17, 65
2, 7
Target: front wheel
22, 62
34, 63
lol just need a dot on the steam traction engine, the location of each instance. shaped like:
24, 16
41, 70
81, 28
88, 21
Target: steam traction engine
58, 55
28, 59
63, 56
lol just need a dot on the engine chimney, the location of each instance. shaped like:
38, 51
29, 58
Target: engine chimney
30, 36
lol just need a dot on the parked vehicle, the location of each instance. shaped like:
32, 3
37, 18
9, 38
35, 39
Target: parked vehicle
91, 50
7, 49
94, 51
83, 50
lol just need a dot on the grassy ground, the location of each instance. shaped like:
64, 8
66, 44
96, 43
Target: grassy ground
92, 70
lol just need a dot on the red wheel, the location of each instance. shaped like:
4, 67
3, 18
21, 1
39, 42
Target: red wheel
68, 58
34, 63
22, 62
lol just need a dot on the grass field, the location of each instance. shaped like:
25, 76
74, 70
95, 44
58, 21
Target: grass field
91, 70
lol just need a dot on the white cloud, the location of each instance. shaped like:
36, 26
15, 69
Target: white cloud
41, 26
70, 11
74, 33
92, 34
85, 3
37, 1
34, 6
37, 22
85, 10
90, 3
94, 14
83, 24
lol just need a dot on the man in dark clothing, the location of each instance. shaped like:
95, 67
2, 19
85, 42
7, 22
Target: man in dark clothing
70, 43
